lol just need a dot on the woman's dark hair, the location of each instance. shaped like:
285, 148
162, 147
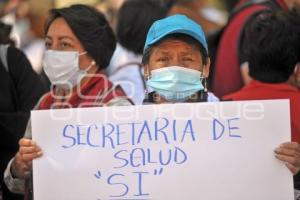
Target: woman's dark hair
178, 36
5, 34
91, 28
230, 4
134, 20
273, 45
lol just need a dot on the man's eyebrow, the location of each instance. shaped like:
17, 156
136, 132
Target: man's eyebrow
187, 53
162, 51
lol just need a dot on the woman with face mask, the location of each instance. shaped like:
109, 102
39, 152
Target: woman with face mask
79, 44
176, 62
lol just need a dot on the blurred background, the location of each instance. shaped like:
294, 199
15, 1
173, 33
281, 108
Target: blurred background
27, 18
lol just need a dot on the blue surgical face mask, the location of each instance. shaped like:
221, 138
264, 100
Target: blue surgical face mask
175, 84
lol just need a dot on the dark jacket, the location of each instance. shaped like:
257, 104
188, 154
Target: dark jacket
20, 89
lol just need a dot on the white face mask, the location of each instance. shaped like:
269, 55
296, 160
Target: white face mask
62, 68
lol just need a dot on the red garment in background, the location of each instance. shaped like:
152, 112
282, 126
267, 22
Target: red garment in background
263, 91
227, 76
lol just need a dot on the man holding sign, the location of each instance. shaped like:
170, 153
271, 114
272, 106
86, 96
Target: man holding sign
163, 51
163, 47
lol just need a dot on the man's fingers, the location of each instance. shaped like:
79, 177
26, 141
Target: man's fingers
290, 145
288, 159
292, 168
26, 142
291, 162
288, 152
29, 149
30, 156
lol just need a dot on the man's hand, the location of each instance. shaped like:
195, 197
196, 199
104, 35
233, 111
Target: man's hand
290, 154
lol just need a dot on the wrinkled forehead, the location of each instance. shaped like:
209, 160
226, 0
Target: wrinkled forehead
177, 43
172, 47
175, 52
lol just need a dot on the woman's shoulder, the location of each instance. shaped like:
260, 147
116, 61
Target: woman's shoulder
119, 101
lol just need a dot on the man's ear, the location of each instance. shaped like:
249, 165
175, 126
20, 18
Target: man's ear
206, 69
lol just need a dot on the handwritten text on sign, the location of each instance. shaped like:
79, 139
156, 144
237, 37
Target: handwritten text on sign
177, 151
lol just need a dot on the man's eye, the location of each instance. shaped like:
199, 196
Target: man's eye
47, 45
162, 59
188, 59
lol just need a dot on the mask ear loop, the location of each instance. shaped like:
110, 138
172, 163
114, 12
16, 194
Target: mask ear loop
153, 96
148, 73
146, 92
90, 66
82, 53
205, 85
205, 81
92, 63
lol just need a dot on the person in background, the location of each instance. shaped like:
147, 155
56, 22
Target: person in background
78, 50
110, 9
20, 89
33, 43
27, 19
176, 62
5, 31
272, 60
193, 9
232, 4
134, 20
231, 72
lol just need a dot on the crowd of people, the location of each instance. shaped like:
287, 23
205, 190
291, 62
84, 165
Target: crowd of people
158, 51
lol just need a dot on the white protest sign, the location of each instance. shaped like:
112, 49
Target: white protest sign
210, 151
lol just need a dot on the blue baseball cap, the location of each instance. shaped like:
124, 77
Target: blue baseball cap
175, 24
